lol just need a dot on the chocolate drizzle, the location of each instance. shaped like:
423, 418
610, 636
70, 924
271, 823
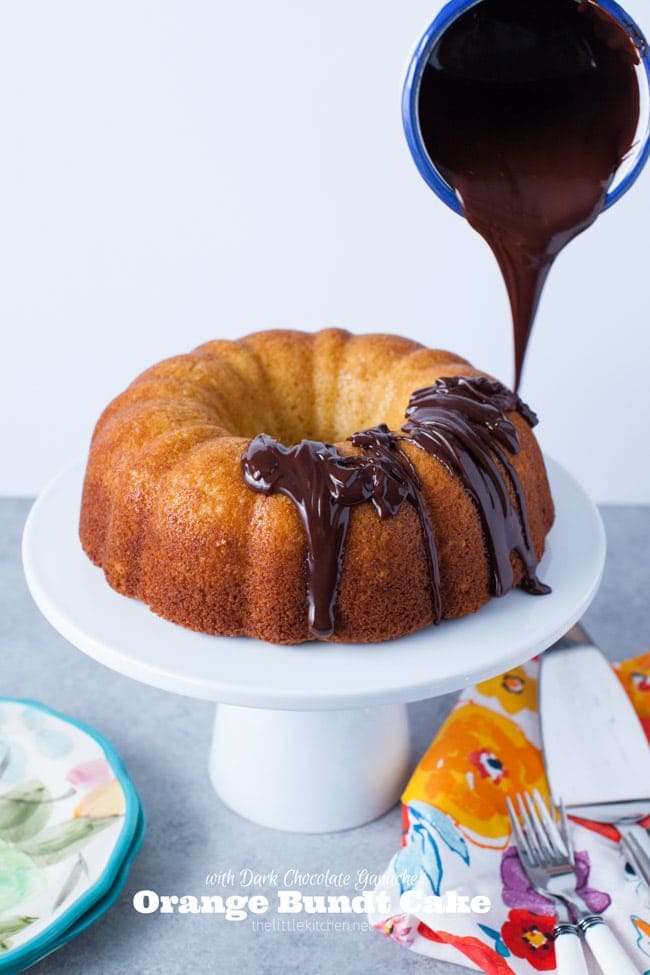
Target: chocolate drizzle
323, 485
395, 477
461, 422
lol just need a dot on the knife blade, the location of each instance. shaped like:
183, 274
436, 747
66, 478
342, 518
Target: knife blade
596, 752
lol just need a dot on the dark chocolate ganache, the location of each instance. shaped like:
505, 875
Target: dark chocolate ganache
462, 423
527, 109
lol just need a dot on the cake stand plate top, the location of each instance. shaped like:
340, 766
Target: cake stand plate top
124, 635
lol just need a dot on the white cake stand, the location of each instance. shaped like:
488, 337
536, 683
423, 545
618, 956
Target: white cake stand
311, 738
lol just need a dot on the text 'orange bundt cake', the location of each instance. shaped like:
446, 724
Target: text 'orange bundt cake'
292, 486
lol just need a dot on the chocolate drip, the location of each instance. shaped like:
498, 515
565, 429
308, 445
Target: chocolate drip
323, 485
391, 467
460, 421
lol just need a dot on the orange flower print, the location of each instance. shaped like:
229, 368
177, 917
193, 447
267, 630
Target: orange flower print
514, 690
634, 675
478, 758
489, 765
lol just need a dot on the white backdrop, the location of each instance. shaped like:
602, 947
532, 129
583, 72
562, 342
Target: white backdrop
178, 170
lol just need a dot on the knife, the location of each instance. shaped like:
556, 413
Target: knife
596, 753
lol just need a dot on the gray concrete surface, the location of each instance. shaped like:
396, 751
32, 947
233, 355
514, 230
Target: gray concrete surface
164, 741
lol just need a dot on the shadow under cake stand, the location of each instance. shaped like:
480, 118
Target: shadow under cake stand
309, 738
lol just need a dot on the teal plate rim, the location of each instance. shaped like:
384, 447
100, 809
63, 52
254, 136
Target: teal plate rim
133, 821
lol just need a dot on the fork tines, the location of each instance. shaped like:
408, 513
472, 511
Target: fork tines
537, 835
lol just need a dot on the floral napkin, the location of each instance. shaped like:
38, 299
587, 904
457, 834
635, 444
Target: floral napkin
456, 838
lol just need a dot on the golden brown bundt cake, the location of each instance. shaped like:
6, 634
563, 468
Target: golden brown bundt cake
186, 507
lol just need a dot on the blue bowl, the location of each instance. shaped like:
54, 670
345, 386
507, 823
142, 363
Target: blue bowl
449, 13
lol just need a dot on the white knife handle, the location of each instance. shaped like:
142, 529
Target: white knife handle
569, 956
608, 952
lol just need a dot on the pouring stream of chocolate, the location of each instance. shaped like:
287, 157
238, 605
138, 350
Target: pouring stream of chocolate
527, 109
461, 421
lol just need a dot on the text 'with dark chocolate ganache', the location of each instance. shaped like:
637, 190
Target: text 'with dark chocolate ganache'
527, 109
461, 422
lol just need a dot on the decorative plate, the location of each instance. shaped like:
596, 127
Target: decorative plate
33, 952
70, 821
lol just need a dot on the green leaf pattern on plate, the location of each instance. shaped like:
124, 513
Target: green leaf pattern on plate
13, 925
58, 842
24, 811
20, 878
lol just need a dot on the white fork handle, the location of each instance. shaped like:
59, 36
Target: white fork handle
569, 956
608, 952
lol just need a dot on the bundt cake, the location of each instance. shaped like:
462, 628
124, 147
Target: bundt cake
292, 486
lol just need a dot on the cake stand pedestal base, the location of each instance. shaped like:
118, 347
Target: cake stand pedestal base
309, 738
310, 771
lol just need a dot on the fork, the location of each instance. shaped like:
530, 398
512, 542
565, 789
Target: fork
546, 854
